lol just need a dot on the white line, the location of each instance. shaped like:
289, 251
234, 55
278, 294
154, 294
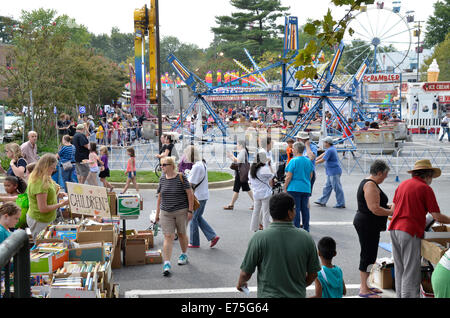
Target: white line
139, 292
330, 223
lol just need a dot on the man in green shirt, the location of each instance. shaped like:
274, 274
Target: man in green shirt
286, 257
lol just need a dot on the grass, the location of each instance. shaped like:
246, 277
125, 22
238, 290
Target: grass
150, 177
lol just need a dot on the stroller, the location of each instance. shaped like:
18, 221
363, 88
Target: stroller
279, 178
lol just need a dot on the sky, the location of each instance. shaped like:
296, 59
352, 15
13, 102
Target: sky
188, 20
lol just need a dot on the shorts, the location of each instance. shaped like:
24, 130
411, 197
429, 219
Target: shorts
94, 169
82, 169
131, 174
104, 174
170, 221
238, 185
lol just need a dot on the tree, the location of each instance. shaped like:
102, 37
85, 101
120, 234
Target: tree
6, 29
438, 25
253, 27
117, 46
442, 55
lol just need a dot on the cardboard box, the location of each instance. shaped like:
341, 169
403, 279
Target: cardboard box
382, 277
97, 233
48, 265
135, 252
153, 259
148, 236
112, 200
116, 262
128, 206
429, 249
60, 292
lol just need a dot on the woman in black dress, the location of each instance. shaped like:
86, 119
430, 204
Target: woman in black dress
370, 220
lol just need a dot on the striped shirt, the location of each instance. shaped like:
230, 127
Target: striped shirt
67, 153
173, 193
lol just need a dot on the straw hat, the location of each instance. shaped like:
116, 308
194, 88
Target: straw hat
80, 127
302, 135
425, 164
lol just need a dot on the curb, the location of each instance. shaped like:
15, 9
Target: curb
154, 186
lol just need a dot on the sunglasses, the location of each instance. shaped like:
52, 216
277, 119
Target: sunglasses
166, 164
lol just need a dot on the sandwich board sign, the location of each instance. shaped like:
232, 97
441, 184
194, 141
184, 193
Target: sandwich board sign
88, 200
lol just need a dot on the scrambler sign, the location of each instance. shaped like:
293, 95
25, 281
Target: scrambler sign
381, 78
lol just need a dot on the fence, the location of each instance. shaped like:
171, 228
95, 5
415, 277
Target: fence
16, 247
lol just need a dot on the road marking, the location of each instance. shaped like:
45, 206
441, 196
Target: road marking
140, 292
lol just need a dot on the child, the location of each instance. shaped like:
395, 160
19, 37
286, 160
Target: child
15, 189
290, 150
329, 282
93, 164
30, 168
131, 170
9, 216
105, 172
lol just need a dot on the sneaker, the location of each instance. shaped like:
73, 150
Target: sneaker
320, 204
166, 269
214, 241
193, 246
183, 259
339, 207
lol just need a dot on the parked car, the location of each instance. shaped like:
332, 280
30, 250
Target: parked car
13, 128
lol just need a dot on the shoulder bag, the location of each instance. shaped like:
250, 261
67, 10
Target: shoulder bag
244, 168
196, 202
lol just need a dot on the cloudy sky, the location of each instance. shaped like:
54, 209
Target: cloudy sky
189, 20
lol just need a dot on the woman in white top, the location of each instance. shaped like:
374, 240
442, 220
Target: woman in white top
198, 178
260, 178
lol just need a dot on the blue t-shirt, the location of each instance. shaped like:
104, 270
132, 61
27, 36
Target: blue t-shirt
301, 168
332, 282
332, 165
314, 150
4, 233
67, 153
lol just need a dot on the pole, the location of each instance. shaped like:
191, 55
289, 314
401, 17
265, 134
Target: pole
32, 111
158, 73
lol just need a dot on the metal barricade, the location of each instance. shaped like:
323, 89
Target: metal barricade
16, 247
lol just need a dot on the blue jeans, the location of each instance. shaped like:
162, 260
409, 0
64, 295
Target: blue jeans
333, 183
446, 131
301, 206
198, 221
67, 176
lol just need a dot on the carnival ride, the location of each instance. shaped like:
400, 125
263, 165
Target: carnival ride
292, 93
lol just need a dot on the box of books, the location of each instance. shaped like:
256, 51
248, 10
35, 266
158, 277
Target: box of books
76, 285
97, 233
128, 206
148, 236
46, 262
116, 262
153, 257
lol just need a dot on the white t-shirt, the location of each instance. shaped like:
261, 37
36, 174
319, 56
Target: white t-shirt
196, 175
260, 186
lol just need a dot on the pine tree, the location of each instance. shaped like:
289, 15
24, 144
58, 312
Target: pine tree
253, 27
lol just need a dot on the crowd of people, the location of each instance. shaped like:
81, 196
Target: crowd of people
281, 248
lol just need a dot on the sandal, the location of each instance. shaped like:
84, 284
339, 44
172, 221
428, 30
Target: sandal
369, 295
228, 207
375, 290
251, 208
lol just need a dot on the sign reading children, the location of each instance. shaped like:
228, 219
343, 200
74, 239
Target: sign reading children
88, 200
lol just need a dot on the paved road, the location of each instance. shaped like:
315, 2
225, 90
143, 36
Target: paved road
213, 273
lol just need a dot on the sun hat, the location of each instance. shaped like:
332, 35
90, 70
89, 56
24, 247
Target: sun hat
80, 127
302, 135
262, 156
328, 139
425, 164
90, 117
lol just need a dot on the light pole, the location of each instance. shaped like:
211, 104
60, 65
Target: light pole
418, 50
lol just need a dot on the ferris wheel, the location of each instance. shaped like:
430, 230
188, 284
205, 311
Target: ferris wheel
381, 35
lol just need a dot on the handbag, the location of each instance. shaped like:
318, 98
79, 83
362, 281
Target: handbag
67, 165
244, 168
196, 202
234, 166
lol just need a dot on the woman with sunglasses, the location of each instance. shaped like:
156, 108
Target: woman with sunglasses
174, 208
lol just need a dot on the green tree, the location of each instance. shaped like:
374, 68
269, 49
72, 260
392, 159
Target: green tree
438, 25
442, 55
253, 27
6, 29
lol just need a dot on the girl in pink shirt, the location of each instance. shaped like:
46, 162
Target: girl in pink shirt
131, 170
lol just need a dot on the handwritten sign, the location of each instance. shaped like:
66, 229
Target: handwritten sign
88, 200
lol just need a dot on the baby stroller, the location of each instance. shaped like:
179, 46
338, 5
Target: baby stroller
278, 180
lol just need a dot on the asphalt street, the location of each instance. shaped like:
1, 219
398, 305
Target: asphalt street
213, 272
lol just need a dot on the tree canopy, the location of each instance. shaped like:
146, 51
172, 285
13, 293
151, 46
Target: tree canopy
438, 25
